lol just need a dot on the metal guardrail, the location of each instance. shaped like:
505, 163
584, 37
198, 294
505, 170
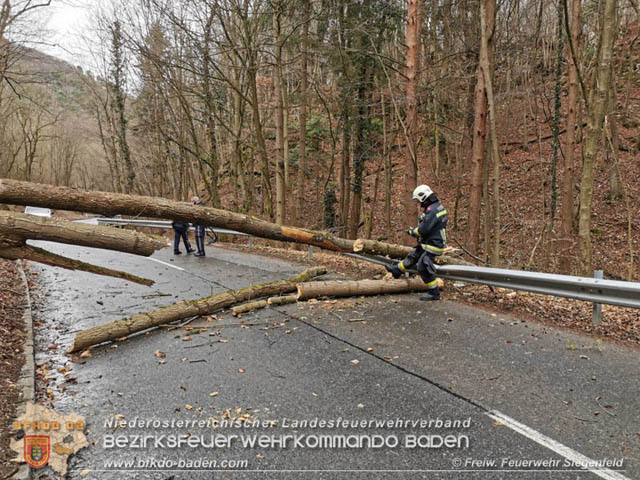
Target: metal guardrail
612, 292
158, 224
596, 290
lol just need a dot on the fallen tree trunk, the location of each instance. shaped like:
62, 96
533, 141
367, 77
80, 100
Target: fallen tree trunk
393, 250
28, 227
106, 203
17, 228
374, 247
185, 309
36, 194
339, 288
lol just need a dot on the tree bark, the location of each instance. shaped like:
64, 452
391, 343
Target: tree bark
17, 228
35, 254
412, 69
487, 22
597, 108
185, 309
64, 198
279, 120
282, 300
479, 135
568, 178
72, 233
248, 307
261, 144
338, 288
302, 140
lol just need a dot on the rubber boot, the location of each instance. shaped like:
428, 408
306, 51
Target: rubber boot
431, 295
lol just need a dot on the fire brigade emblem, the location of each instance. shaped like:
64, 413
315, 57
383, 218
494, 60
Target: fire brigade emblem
36, 450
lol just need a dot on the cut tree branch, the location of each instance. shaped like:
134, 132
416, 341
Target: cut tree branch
339, 288
35, 254
186, 309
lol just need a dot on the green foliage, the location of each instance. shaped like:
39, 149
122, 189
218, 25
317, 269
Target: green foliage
375, 125
317, 131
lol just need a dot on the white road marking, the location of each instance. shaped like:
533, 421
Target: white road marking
165, 263
568, 453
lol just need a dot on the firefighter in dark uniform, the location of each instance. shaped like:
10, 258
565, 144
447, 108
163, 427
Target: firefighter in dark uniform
180, 229
199, 231
432, 238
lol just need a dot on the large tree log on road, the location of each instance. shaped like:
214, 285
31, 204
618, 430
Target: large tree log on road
339, 288
74, 233
185, 309
26, 193
17, 228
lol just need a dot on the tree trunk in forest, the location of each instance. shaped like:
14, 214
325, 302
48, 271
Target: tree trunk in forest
118, 74
361, 150
412, 68
479, 136
302, 140
185, 309
210, 106
345, 169
261, 145
613, 143
279, 120
557, 106
597, 107
568, 177
340, 288
487, 22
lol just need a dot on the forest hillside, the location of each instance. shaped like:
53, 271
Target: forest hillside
523, 116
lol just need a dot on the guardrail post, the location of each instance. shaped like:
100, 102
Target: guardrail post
597, 307
310, 253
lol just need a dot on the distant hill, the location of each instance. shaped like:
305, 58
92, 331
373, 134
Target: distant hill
67, 96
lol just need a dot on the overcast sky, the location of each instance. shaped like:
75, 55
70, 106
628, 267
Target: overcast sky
67, 21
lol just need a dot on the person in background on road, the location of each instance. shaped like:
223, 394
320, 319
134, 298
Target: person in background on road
432, 239
199, 230
180, 230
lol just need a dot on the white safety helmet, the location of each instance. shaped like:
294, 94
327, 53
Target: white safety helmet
421, 193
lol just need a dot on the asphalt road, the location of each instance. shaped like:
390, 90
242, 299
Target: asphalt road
516, 393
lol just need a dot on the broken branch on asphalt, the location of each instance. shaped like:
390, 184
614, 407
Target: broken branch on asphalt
185, 309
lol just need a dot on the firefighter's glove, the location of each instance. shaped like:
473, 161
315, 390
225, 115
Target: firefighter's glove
394, 270
413, 232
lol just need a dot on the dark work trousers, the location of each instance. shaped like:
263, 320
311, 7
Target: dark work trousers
200, 239
424, 262
179, 233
